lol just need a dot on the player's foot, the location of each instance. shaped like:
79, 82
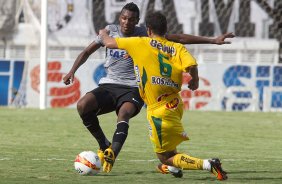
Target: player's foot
109, 160
217, 170
162, 168
100, 154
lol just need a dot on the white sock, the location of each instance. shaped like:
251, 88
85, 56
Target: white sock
173, 169
206, 165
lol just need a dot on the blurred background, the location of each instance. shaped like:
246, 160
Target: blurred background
243, 76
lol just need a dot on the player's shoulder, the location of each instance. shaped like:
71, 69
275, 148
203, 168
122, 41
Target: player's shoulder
136, 39
140, 31
112, 27
177, 45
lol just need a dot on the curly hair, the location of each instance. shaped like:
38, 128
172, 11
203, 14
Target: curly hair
131, 7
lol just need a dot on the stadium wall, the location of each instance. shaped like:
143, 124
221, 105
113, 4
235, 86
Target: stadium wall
244, 87
245, 76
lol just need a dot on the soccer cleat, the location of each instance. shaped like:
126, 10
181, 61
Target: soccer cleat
109, 160
217, 170
162, 168
100, 154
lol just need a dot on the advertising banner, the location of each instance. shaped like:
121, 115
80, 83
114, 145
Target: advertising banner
222, 86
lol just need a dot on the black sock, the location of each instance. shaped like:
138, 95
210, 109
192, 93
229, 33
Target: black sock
119, 136
91, 122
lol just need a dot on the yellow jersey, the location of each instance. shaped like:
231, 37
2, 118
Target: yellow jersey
158, 65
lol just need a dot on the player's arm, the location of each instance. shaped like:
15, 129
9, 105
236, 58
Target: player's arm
190, 39
189, 64
193, 84
108, 41
81, 59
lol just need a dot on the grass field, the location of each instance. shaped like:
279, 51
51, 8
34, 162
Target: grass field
40, 146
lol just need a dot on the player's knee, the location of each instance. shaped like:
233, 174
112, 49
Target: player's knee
86, 104
80, 106
89, 117
126, 112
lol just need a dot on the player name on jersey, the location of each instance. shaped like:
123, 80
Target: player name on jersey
164, 81
164, 48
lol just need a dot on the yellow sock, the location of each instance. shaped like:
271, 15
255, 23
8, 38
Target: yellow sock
187, 162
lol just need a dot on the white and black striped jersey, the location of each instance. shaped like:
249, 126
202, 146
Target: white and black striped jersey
119, 65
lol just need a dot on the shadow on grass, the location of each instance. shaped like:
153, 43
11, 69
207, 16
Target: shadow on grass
125, 173
254, 172
239, 176
246, 176
140, 172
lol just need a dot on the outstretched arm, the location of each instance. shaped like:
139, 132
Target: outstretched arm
82, 57
108, 41
190, 39
193, 84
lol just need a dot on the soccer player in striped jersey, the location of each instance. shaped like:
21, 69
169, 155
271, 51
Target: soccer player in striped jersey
118, 91
159, 65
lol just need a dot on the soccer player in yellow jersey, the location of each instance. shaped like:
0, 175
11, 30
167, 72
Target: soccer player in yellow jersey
159, 65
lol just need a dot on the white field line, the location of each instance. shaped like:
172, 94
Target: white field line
150, 160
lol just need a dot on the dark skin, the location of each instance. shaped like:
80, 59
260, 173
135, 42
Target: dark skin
127, 20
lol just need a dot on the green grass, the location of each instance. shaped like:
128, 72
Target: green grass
40, 146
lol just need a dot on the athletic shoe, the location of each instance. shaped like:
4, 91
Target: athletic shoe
109, 160
100, 154
217, 170
162, 168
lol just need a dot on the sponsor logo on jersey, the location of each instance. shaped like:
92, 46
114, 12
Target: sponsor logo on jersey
164, 48
137, 73
115, 53
135, 100
173, 104
164, 81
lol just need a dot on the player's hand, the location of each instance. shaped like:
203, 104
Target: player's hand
103, 32
193, 84
68, 78
221, 39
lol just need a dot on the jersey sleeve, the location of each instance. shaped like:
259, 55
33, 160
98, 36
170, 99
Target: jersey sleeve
128, 44
186, 59
98, 38
112, 28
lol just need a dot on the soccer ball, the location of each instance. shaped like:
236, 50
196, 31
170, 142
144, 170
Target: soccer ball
87, 163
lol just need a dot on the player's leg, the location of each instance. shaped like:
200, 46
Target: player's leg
161, 127
180, 160
129, 104
89, 107
187, 162
167, 168
126, 111
168, 133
